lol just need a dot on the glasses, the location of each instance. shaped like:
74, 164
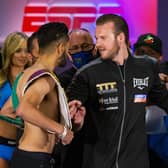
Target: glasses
83, 47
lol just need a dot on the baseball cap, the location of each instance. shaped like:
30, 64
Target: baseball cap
149, 40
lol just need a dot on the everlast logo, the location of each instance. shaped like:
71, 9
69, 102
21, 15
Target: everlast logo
140, 83
73, 15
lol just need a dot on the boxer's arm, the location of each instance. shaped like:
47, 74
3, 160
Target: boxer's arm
32, 98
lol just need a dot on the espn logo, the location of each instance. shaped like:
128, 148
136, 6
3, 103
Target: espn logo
73, 15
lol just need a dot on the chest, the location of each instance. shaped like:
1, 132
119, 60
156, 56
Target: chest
114, 86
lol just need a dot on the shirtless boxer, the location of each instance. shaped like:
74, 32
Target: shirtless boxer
39, 106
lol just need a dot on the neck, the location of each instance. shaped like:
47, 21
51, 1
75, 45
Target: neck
47, 62
121, 56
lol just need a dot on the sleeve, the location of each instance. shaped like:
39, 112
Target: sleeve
158, 94
66, 77
79, 87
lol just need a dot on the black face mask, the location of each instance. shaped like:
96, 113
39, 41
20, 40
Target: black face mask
82, 58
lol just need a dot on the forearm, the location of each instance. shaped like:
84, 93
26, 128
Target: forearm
32, 115
78, 89
7, 109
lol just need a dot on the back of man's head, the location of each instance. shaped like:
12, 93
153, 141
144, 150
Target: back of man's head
82, 35
150, 40
53, 32
30, 42
149, 44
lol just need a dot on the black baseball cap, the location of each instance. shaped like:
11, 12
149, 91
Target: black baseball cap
149, 40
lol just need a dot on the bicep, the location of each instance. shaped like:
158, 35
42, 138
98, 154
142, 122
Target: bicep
36, 92
78, 89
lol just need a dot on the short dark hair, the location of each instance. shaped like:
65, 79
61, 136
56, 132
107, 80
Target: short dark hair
52, 32
119, 23
30, 42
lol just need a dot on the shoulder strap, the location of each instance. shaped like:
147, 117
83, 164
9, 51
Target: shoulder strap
15, 100
63, 104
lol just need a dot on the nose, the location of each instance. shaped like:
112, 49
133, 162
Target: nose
24, 53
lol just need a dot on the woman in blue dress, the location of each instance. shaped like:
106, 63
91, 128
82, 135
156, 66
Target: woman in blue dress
14, 60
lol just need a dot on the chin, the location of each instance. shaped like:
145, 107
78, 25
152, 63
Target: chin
105, 56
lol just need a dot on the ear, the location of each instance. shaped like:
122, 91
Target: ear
60, 49
121, 38
160, 58
94, 52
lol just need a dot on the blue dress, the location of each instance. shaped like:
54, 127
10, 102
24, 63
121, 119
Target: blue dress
6, 151
5, 92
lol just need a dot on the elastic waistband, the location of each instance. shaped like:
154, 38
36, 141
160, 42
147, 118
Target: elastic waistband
6, 141
35, 155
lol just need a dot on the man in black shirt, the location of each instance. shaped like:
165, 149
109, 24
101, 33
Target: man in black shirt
114, 89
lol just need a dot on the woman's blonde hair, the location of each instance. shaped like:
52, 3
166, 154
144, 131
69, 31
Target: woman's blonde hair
11, 44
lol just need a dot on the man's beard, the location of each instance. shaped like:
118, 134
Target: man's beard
62, 61
116, 51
